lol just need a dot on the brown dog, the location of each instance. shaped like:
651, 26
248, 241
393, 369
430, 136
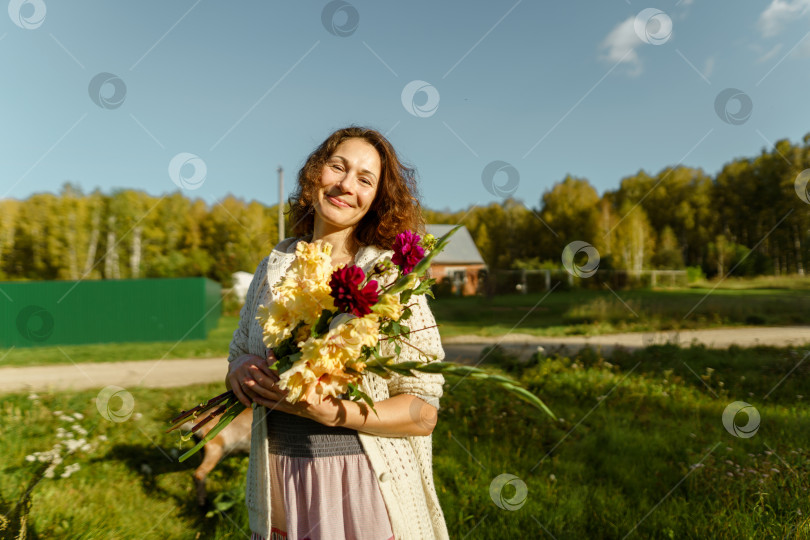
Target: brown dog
235, 438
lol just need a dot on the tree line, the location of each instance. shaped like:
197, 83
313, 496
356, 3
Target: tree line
748, 220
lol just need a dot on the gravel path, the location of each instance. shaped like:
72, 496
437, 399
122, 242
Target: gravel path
462, 349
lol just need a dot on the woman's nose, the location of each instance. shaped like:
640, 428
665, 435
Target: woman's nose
345, 184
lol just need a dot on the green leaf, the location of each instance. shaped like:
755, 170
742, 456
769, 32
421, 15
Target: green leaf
405, 296
424, 286
322, 325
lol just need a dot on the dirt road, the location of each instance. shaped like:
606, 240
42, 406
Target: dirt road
463, 349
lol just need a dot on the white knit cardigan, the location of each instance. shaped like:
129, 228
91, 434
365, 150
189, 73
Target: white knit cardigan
402, 465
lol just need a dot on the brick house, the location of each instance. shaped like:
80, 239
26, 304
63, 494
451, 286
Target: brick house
460, 261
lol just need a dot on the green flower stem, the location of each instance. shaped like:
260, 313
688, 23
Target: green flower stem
381, 365
198, 410
234, 409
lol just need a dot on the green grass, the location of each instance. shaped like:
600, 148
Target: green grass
584, 312
632, 427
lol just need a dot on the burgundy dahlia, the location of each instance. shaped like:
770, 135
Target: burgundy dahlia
349, 297
407, 251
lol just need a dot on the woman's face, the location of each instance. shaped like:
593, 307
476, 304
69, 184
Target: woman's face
349, 182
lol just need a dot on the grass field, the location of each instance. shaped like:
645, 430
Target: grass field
582, 312
640, 449
577, 312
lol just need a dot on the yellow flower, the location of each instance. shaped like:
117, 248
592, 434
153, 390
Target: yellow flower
303, 333
388, 306
301, 295
295, 381
277, 323
323, 360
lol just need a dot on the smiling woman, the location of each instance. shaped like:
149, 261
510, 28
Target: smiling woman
331, 469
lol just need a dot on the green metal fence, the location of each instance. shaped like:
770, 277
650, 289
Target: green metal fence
45, 313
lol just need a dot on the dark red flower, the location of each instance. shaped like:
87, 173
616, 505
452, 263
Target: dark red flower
407, 251
349, 297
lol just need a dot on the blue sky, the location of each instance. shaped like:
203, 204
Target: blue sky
595, 89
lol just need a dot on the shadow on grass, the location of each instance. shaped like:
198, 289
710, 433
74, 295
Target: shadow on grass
150, 464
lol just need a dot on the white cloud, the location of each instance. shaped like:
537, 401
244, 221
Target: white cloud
779, 13
620, 46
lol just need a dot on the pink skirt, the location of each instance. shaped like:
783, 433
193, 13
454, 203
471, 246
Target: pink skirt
326, 498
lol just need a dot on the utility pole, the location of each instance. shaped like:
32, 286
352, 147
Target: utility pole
280, 204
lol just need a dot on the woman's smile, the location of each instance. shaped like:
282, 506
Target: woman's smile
338, 202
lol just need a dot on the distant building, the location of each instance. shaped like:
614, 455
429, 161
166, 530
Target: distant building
460, 261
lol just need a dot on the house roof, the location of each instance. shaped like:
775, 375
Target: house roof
460, 250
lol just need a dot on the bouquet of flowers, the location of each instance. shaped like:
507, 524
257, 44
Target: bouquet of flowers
326, 329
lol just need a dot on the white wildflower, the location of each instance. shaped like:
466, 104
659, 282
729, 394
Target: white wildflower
70, 469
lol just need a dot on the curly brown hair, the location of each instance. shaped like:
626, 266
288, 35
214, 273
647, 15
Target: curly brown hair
395, 209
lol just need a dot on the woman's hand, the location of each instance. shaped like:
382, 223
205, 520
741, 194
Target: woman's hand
322, 409
252, 380
248, 371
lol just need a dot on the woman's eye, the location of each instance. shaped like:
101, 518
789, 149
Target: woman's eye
366, 180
